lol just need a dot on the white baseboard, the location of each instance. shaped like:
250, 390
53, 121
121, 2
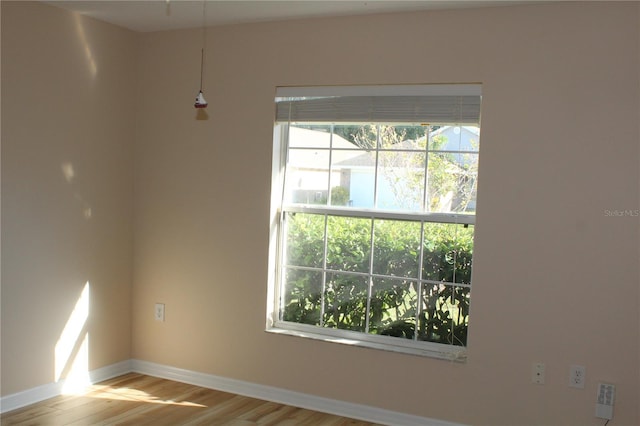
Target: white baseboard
50, 390
30, 396
283, 396
110, 371
267, 393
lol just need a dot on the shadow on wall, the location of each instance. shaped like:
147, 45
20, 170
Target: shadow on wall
201, 114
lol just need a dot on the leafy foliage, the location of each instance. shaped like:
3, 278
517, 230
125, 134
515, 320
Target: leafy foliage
451, 177
351, 132
339, 196
340, 292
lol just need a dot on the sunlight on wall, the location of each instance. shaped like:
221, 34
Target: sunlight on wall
69, 175
78, 378
91, 62
72, 348
68, 172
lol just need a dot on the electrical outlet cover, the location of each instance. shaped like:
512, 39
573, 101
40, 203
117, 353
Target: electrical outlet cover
577, 376
159, 312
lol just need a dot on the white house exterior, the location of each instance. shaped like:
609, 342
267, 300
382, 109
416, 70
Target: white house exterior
311, 159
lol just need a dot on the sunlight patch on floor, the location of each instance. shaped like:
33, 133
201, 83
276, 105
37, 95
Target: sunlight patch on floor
134, 395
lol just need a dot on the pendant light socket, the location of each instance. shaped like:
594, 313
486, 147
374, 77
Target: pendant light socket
200, 101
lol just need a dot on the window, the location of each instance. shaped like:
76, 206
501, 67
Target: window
374, 205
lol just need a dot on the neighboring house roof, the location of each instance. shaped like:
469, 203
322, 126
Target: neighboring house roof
460, 138
308, 138
368, 158
315, 146
348, 155
471, 129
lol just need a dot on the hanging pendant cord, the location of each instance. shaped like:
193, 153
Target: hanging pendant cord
201, 67
204, 40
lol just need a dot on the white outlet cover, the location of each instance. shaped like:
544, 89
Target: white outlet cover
577, 376
159, 312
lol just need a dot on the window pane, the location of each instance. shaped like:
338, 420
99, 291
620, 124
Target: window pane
302, 298
463, 254
363, 135
353, 177
455, 138
445, 314
461, 296
388, 136
396, 248
348, 244
452, 182
358, 135
309, 135
305, 239
402, 137
345, 301
447, 253
393, 308
307, 177
400, 180
357, 180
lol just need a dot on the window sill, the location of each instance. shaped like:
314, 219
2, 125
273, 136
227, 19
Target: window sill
424, 349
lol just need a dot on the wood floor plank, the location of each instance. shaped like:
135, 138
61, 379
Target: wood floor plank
139, 400
279, 416
29, 415
182, 409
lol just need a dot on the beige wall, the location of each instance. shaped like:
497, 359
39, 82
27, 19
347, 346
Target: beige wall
555, 279
68, 101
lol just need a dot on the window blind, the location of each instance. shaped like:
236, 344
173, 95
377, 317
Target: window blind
442, 104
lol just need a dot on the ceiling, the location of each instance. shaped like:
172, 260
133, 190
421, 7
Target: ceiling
160, 15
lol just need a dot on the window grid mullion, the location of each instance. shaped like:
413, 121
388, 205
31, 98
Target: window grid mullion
453, 278
370, 280
330, 165
326, 232
455, 254
419, 283
456, 218
324, 269
376, 171
375, 204
285, 158
425, 192
382, 276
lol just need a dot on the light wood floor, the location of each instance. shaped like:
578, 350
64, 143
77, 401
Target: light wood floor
136, 399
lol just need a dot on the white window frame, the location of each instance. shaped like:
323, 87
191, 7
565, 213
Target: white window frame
355, 338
